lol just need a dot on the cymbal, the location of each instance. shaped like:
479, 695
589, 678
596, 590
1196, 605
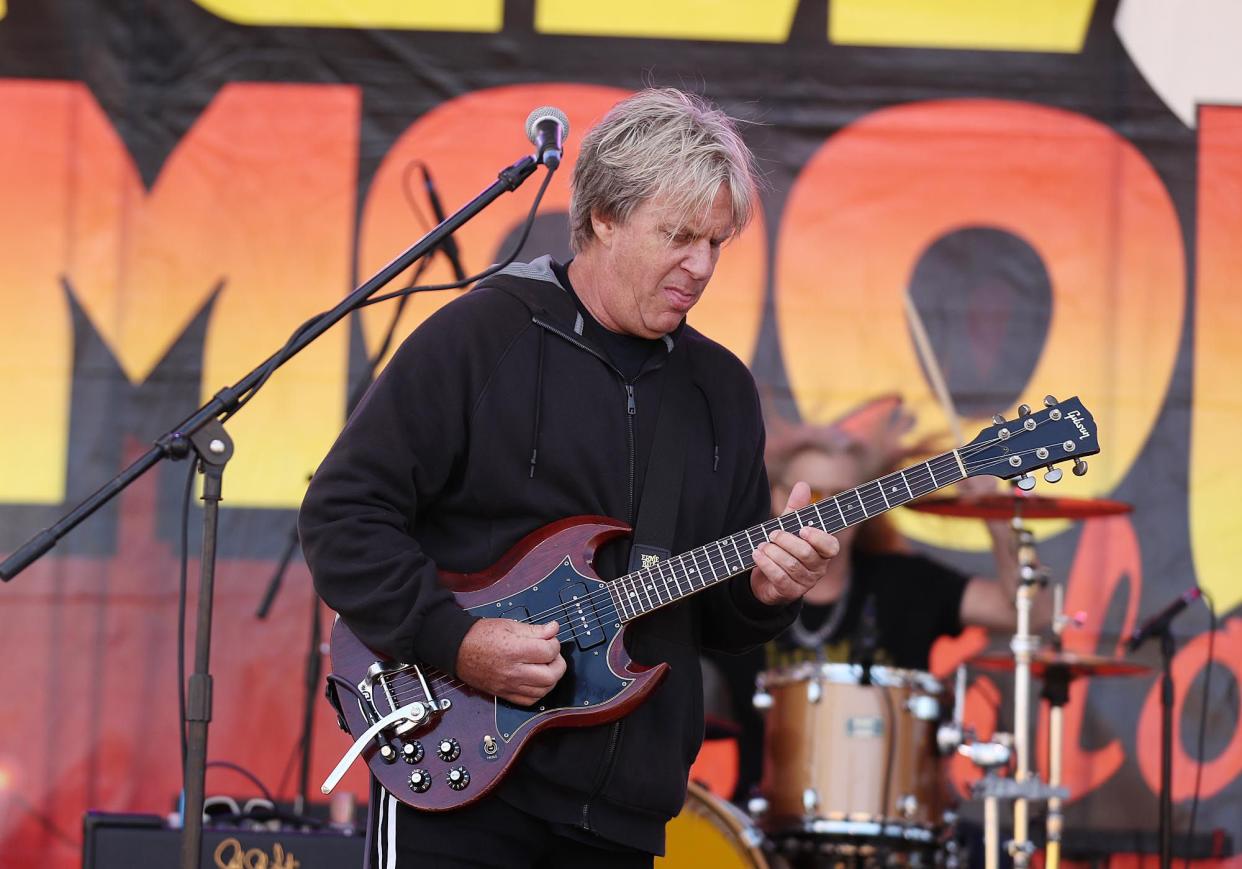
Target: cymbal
1077, 664
1026, 506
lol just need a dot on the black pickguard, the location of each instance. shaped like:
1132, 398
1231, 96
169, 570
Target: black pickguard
581, 605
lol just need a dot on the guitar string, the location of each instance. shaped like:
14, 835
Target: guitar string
648, 575
604, 614
717, 563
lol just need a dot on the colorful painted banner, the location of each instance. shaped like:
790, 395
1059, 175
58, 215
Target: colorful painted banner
1056, 188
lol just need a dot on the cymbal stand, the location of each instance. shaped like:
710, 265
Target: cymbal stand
1024, 643
1056, 692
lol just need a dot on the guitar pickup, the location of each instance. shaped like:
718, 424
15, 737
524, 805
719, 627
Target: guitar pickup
580, 611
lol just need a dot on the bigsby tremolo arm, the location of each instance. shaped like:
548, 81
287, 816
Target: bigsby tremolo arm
402, 719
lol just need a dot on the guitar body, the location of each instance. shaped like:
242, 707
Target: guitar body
546, 576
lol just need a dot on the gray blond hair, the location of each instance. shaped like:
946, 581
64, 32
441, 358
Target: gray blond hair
660, 142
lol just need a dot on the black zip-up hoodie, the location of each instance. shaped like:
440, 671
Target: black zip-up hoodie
496, 417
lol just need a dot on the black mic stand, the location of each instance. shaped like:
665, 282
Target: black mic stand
1167, 648
1163, 629
203, 432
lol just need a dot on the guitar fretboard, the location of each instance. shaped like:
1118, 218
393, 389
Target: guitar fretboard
680, 576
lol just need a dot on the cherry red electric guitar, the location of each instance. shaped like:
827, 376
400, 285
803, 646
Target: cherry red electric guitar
437, 744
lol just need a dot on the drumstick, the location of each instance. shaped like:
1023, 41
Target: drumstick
923, 345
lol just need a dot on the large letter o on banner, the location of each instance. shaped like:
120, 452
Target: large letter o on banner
879, 192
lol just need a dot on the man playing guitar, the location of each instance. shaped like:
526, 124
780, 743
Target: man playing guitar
535, 397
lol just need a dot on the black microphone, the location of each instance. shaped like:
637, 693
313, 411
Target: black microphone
449, 245
548, 128
1159, 623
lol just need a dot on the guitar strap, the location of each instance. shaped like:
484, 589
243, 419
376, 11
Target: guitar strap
661, 496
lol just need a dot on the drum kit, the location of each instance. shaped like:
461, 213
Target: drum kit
855, 758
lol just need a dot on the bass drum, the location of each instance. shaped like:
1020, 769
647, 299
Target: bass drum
711, 832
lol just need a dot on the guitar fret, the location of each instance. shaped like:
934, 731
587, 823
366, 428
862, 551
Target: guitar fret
618, 600
861, 505
836, 502
679, 561
820, 515
665, 576
674, 591
902, 474
628, 595
642, 586
657, 577
697, 569
887, 506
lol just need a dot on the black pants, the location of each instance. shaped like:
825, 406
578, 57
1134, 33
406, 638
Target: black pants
490, 833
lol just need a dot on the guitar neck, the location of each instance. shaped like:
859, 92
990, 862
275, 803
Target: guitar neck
668, 581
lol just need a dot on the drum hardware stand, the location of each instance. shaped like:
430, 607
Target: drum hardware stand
1024, 643
1056, 692
989, 757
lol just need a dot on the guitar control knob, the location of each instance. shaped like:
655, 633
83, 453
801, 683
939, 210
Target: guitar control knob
420, 780
412, 752
448, 749
457, 777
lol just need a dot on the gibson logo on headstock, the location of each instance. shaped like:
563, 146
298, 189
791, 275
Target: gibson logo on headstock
231, 855
1076, 418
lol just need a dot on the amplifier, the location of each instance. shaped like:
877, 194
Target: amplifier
121, 841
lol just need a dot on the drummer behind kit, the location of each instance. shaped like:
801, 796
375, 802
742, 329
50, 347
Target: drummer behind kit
852, 760
854, 755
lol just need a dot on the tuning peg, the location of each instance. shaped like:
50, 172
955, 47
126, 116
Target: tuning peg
1024, 410
998, 418
1025, 482
1050, 401
1080, 467
1053, 475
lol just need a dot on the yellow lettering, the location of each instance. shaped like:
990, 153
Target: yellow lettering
36, 122
257, 198
1215, 475
724, 20
482, 16
1053, 25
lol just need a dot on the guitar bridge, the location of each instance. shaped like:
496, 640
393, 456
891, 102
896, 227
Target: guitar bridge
387, 686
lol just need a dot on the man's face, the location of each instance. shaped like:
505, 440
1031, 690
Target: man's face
658, 263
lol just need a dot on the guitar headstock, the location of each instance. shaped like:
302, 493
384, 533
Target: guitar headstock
1060, 431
